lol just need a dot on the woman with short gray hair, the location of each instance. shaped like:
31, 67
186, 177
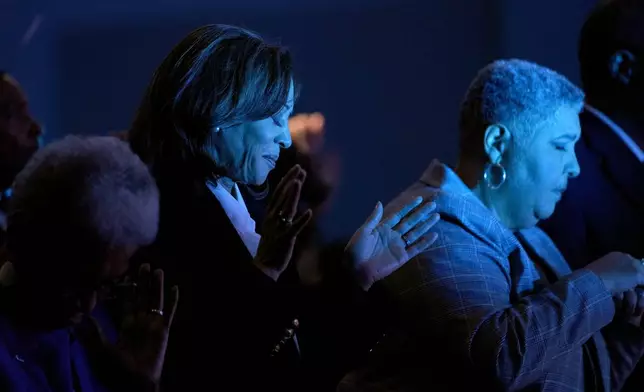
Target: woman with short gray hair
80, 208
493, 297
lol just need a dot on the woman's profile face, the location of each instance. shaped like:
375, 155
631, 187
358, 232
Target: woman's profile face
249, 151
539, 169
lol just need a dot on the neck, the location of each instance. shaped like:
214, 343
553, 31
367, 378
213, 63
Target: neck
472, 176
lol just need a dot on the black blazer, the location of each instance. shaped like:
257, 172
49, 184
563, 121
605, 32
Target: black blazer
230, 315
603, 209
339, 323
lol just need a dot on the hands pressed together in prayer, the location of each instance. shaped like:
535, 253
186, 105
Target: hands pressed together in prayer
377, 249
280, 226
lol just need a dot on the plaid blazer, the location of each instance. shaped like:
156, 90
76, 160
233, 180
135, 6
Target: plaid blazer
475, 302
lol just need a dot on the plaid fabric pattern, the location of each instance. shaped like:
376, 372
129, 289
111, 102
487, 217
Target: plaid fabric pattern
477, 293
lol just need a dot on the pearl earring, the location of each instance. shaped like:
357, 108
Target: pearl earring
217, 129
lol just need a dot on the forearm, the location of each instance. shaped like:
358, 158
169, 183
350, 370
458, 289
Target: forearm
512, 343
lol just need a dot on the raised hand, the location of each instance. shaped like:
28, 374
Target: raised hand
281, 227
140, 351
380, 247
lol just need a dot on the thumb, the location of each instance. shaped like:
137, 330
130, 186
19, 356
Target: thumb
374, 219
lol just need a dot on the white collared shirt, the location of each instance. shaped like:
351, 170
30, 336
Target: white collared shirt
619, 131
235, 208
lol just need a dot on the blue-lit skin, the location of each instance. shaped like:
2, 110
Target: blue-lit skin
538, 164
249, 151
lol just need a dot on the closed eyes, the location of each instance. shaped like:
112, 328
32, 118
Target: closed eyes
281, 118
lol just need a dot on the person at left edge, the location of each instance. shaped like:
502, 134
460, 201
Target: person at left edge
81, 208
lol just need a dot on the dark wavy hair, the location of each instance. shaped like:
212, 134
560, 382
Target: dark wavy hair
217, 76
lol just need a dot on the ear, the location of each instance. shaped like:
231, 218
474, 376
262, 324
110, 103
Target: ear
496, 141
621, 66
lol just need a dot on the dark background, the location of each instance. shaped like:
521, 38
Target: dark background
387, 74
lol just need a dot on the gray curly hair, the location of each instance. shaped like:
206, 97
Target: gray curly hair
79, 196
519, 94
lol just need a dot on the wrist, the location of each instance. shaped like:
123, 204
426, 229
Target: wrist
361, 276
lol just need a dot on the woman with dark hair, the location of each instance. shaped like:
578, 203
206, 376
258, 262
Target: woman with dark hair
216, 115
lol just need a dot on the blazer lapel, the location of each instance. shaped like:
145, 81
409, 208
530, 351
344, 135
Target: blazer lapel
543, 252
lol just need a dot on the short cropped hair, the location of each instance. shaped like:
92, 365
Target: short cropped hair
217, 76
78, 197
516, 93
613, 25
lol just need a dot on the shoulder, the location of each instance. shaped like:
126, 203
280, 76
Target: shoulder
191, 216
11, 372
457, 255
8, 362
459, 243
